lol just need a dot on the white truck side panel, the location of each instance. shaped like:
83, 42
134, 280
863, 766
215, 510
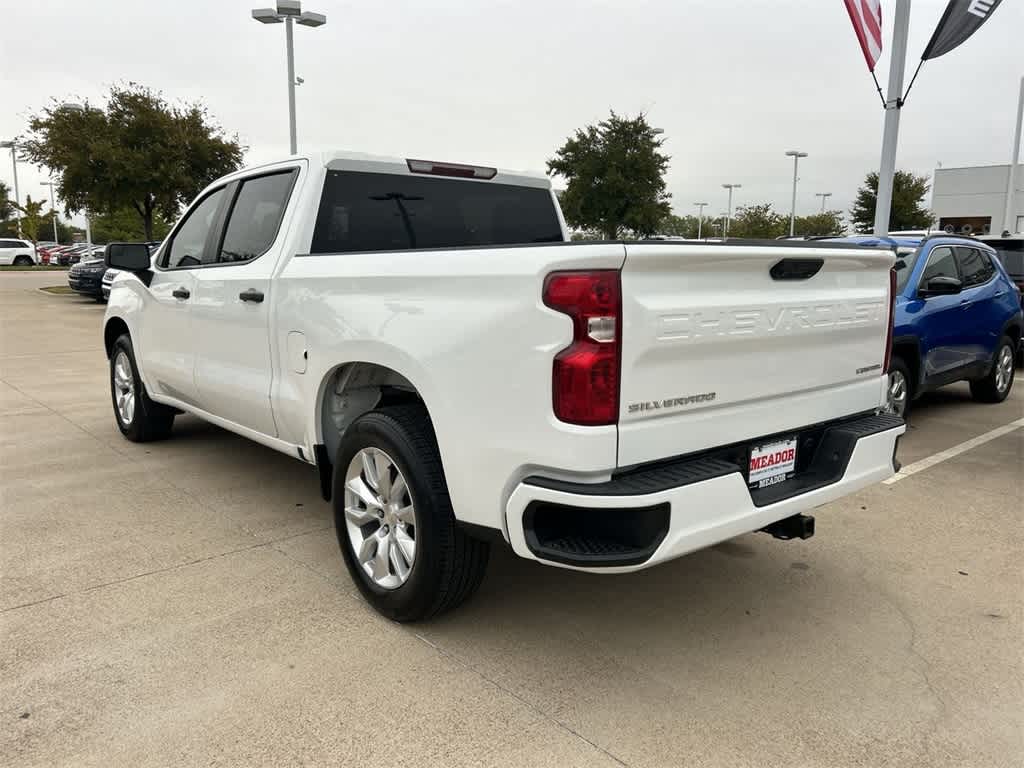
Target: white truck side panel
469, 330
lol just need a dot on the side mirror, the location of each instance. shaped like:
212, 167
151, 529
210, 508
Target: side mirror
131, 257
941, 286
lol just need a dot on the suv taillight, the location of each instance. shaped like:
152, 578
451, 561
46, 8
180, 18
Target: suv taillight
892, 321
585, 377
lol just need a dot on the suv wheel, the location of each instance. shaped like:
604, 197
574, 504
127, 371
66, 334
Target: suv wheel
140, 419
899, 393
23, 261
394, 519
994, 387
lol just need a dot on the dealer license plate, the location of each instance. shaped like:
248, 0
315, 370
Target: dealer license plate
772, 463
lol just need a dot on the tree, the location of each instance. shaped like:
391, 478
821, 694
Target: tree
33, 217
124, 225
908, 211
6, 204
615, 176
140, 152
758, 221
825, 223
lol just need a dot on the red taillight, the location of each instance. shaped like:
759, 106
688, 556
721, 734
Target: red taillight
892, 320
585, 375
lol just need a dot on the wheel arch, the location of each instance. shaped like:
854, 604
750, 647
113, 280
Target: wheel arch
346, 392
114, 328
908, 349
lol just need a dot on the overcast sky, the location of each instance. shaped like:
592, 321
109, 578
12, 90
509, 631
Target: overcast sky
734, 84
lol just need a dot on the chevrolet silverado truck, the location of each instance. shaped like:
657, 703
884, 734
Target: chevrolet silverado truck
462, 376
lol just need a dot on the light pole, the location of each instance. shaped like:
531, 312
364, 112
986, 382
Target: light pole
796, 155
728, 215
53, 200
700, 218
14, 162
285, 11
88, 229
824, 196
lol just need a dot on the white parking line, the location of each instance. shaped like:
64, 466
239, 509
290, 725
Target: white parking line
956, 450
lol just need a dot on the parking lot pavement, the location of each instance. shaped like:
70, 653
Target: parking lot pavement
184, 602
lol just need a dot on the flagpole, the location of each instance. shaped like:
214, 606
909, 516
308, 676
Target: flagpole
890, 134
1009, 220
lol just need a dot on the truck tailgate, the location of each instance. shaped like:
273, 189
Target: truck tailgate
717, 348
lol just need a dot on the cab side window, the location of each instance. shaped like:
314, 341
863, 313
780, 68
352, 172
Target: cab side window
941, 263
189, 243
975, 266
255, 217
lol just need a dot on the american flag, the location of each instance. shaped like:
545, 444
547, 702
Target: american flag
866, 16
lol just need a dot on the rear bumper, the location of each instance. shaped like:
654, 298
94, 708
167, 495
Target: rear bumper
650, 515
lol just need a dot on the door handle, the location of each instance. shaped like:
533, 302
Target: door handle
180, 293
251, 294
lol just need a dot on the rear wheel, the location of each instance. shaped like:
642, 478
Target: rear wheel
394, 518
140, 419
994, 387
900, 392
23, 261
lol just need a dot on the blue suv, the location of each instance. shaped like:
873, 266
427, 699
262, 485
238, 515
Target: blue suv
958, 318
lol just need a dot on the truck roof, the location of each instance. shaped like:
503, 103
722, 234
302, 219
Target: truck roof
342, 160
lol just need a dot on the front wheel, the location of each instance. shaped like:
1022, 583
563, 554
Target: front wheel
23, 261
994, 387
394, 519
140, 419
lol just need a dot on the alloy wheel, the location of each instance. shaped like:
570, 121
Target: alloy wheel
896, 396
124, 388
380, 518
1004, 369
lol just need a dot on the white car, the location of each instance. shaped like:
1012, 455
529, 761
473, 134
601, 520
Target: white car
16, 252
461, 375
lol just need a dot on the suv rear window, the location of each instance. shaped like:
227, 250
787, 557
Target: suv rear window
393, 212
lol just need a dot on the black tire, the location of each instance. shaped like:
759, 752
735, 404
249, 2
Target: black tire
898, 366
150, 420
23, 261
986, 389
449, 564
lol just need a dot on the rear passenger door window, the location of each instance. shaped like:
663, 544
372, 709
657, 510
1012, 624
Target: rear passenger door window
941, 263
255, 217
976, 267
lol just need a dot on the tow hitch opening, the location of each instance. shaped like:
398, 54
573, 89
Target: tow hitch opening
795, 527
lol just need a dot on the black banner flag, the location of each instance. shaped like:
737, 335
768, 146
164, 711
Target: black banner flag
961, 20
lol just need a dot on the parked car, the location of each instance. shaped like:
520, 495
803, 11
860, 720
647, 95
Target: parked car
17, 252
424, 335
958, 318
86, 277
1010, 250
111, 273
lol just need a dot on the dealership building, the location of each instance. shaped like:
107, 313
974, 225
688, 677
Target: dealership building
973, 200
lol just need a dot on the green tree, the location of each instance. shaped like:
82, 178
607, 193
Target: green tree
615, 178
908, 211
6, 204
758, 221
139, 152
825, 223
33, 217
124, 224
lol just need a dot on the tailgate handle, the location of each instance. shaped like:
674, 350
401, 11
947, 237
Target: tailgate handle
796, 269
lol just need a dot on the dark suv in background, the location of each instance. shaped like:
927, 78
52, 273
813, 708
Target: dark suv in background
1010, 250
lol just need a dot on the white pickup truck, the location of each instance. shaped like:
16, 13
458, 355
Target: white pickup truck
461, 375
